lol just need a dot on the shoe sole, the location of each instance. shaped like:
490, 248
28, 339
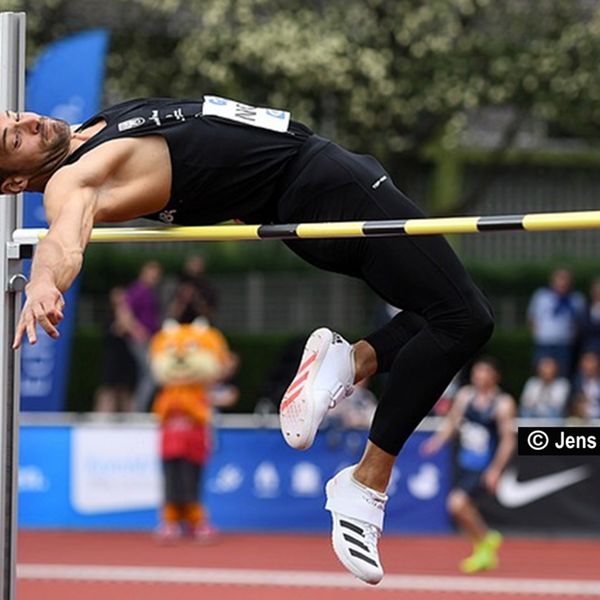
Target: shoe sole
488, 567
298, 414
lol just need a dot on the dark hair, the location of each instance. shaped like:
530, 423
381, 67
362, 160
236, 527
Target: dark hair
489, 361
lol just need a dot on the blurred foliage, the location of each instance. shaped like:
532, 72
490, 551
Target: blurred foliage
383, 76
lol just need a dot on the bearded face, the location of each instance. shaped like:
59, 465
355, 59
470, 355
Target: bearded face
56, 135
32, 146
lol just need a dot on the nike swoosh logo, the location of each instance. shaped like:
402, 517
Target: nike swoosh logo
513, 494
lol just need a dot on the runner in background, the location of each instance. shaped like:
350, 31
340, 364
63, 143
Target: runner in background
483, 415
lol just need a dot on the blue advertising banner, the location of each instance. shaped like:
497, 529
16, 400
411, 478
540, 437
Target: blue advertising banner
256, 482
109, 477
65, 82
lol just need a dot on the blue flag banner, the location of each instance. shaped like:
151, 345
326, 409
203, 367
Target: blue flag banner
65, 82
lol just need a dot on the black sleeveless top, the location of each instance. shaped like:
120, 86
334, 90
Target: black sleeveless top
221, 169
479, 434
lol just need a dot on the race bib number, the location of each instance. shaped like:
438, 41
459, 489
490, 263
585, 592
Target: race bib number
476, 447
265, 118
475, 438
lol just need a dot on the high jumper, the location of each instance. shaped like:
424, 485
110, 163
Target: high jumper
196, 162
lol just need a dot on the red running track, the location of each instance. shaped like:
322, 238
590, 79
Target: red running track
131, 566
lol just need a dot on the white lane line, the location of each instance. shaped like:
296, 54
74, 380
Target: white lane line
316, 579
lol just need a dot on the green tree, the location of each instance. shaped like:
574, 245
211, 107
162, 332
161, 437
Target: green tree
382, 76
388, 76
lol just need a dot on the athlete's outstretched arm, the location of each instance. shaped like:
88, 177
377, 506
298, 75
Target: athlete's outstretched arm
57, 261
449, 426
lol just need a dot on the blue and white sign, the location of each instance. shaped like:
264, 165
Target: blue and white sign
108, 477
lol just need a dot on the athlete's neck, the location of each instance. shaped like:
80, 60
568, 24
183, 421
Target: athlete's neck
78, 138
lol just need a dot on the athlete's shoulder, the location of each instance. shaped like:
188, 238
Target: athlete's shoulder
465, 393
91, 168
505, 405
64, 184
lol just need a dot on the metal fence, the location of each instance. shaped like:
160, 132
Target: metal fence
269, 302
525, 189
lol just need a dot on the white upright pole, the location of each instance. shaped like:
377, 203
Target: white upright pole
12, 98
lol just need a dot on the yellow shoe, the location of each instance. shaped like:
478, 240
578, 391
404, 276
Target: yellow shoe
483, 559
493, 540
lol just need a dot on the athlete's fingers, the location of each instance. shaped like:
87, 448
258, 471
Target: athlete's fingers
31, 333
20, 330
54, 315
42, 318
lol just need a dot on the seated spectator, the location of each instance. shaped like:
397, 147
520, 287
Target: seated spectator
586, 389
555, 314
545, 395
590, 334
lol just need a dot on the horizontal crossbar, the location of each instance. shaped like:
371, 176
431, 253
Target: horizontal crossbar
347, 229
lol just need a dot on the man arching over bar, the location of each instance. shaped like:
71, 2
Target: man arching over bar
191, 162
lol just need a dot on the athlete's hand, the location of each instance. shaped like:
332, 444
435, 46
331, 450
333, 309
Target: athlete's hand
490, 479
431, 445
44, 305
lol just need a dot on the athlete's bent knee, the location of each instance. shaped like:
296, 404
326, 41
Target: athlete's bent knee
467, 324
482, 323
457, 500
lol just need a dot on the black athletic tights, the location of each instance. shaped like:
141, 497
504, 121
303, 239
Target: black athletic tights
445, 319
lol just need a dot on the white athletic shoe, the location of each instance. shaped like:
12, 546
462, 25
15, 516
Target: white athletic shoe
325, 376
357, 512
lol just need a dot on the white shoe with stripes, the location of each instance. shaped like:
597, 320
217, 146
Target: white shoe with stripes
357, 512
325, 376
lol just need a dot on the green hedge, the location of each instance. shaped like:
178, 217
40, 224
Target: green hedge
521, 279
258, 353
107, 266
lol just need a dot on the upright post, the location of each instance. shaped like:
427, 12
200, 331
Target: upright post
12, 98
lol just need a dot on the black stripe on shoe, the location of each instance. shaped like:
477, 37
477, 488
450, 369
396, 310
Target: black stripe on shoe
352, 527
357, 554
358, 543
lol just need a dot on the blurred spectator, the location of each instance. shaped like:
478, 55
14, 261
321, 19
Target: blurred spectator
545, 395
590, 334
586, 389
352, 413
194, 295
356, 411
115, 393
554, 316
143, 302
444, 404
